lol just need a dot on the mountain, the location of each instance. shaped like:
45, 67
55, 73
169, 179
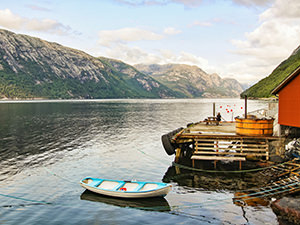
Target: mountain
34, 68
192, 81
264, 87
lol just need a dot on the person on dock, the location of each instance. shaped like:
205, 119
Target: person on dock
218, 118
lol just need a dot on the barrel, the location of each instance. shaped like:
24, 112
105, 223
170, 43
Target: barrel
254, 127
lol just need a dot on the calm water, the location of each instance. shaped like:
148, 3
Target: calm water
47, 147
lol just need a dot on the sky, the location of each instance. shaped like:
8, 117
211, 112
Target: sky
240, 39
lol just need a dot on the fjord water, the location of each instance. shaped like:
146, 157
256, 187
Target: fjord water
48, 146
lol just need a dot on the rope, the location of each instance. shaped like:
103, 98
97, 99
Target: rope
26, 199
150, 156
227, 171
277, 188
241, 200
212, 171
56, 175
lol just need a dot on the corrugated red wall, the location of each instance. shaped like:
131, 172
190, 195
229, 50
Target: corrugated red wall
289, 103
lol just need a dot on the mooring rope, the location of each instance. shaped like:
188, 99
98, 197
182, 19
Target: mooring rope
26, 199
272, 189
226, 171
211, 171
150, 156
56, 175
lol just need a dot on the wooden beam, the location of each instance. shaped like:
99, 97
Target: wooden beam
198, 157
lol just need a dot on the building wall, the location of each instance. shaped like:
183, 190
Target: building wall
289, 104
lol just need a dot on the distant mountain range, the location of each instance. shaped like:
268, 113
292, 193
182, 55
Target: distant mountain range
264, 87
192, 81
34, 68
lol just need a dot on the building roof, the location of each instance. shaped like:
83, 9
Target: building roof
286, 81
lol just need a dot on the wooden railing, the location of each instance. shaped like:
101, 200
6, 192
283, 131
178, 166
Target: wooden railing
230, 149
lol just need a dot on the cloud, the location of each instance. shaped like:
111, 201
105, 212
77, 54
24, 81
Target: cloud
38, 8
193, 3
283, 9
171, 31
201, 24
13, 21
126, 35
187, 3
253, 2
135, 55
277, 35
122, 44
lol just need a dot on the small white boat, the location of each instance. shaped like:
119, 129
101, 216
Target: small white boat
126, 189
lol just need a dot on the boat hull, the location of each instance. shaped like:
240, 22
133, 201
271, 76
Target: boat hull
126, 189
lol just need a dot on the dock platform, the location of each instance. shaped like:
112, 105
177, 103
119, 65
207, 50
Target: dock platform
211, 142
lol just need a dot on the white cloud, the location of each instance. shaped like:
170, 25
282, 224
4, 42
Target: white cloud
171, 31
125, 35
270, 43
13, 21
37, 8
187, 3
192, 3
253, 2
201, 24
283, 9
134, 55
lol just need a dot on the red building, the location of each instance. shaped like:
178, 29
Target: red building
289, 100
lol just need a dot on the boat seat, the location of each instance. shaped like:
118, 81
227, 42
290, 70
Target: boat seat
95, 183
118, 186
139, 187
149, 186
110, 185
131, 186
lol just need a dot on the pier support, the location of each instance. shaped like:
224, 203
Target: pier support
178, 155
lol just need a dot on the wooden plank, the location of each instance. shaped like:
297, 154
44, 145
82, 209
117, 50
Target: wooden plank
233, 145
235, 149
230, 153
237, 143
213, 137
250, 142
198, 157
228, 136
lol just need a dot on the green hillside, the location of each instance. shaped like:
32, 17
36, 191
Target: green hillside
264, 87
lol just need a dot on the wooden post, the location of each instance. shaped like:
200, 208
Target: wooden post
214, 109
245, 106
177, 170
178, 154
267, 150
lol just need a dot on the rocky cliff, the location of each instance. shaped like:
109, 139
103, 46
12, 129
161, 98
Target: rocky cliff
192, 81
34, 68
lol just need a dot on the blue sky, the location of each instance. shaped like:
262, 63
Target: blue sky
241, 39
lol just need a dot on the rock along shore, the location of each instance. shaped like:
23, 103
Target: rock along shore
287, 209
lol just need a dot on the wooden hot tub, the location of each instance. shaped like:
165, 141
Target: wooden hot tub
254, 127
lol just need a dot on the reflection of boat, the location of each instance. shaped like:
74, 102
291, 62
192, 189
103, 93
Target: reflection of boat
156, 204
126, 189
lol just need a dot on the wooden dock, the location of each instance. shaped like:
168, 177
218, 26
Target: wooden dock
219, 143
